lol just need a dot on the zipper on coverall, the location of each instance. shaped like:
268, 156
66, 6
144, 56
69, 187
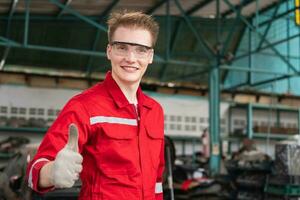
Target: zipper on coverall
137, 116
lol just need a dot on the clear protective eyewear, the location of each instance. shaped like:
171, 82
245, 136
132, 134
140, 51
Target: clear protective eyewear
124, 48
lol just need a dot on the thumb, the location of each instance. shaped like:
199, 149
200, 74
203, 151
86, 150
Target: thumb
73, 138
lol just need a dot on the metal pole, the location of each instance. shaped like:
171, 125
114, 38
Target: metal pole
170, 175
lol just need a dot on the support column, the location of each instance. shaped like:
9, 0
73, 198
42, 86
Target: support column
249, 121
214, 102
214, 119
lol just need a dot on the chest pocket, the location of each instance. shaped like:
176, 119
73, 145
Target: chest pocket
119, 131
155, 141
117, 148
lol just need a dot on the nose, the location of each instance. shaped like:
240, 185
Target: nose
130, 56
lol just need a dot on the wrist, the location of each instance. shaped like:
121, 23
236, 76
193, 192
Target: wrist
46, 175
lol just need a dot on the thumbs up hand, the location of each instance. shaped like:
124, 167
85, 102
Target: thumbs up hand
68, 162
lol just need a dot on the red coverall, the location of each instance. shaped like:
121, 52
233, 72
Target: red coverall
122, 147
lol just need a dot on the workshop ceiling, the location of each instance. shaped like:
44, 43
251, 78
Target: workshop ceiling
69, 36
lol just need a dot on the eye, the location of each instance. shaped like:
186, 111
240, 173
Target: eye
141, 50
122, 47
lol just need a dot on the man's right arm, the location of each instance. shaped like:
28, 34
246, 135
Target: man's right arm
53, 159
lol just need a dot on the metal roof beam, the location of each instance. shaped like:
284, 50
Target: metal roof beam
238, 7
97, 36
251, 27
279, 76
7, 34
231, 33
157, 59
26, 29
190, 75
198, 6
62, 10
168, 42
265, 9
14, 44
268, 26
156, 6
77, 14
267, 46
109, 8
207, 49
277, 17
259, 83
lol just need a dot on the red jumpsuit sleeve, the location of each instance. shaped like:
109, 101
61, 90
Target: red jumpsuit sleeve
161, 167
56, 138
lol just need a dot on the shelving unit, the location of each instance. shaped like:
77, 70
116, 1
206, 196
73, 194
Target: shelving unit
184, 141
23, 129
250, 133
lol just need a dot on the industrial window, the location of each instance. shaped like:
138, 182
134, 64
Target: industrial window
22, 111
57, 112
3, 121
193, 128
242, 122
49, 121
51, 112
193, 119
165, 126
165, 117
202, 120
41, 111
32, 111
172, 126
3, 109
14, 110
179, 127
187, 119
236, 122
187, 127
22, 121
172, 118
179, 118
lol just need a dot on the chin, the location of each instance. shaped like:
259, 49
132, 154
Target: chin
131, 81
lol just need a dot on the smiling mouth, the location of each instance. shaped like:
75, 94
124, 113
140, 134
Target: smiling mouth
130, 68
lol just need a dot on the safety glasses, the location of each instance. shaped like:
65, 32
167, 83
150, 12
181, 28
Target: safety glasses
124, 48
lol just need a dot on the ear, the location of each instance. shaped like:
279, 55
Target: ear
151, 57
108, 52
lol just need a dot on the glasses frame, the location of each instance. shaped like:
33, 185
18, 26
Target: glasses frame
132, 44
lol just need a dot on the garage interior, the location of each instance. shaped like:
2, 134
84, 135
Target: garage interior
225, 71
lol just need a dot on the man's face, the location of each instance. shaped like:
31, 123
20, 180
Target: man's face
129, 54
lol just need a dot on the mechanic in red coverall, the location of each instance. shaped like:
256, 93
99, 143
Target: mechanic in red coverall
115, 143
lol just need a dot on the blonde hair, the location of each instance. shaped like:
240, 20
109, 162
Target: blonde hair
132, 19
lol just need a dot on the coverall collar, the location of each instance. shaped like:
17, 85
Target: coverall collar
118, 96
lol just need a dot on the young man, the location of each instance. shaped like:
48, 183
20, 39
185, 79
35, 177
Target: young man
115, 143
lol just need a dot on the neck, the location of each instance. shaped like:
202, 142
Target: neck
129, 90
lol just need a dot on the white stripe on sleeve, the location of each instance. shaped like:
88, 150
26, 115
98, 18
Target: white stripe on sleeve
30, 183
158, 188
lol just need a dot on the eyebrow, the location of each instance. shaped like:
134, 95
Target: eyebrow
130, 43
